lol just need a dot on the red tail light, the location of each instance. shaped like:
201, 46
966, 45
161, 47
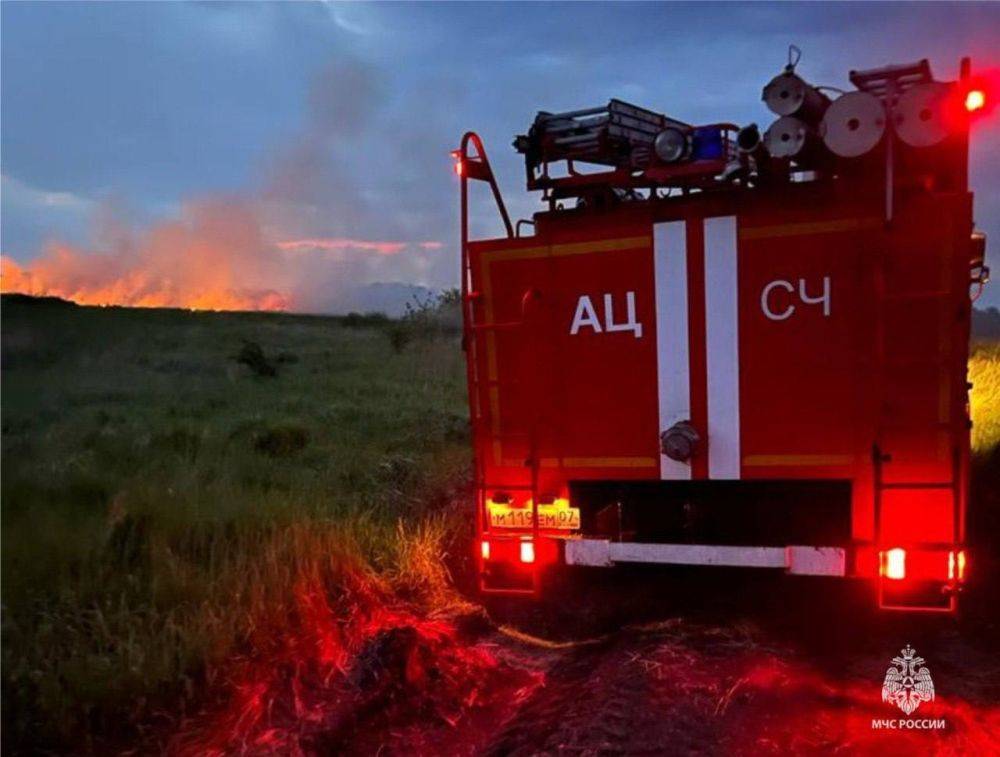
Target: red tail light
484, 550
894, 564
956, 565
527, 551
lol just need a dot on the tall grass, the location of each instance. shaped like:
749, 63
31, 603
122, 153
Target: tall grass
983, 523
161, 500
984, 400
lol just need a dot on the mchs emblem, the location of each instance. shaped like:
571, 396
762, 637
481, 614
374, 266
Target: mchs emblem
907, 681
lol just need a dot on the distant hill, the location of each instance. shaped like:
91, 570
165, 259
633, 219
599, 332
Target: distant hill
390, 298
16, 298
985, 323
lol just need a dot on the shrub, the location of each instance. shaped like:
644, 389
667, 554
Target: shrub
437, 317
400, 335
365, 320
252, 356
281, 441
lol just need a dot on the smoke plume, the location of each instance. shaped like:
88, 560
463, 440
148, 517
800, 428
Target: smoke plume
298, 239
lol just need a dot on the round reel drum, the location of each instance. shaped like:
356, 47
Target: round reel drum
788, 137
789, 95
853, 124
921, 114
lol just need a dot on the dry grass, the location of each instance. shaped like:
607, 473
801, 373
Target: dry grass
984, 373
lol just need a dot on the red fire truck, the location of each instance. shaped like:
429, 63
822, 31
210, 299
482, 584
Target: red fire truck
723, 347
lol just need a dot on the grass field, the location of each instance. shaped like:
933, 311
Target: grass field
169, 506
162, 501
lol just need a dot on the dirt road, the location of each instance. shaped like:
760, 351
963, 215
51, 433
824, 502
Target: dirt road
624, 663
731, 666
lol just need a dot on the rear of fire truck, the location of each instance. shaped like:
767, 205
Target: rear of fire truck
723, 347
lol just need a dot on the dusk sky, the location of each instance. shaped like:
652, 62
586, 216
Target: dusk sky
298, 151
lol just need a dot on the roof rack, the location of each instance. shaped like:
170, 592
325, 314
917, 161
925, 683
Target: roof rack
617, 134
898, 79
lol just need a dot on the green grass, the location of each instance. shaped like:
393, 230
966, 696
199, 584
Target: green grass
161, 500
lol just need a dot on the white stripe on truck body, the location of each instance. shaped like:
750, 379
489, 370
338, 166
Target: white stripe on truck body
722, 347
672, 359
673, 351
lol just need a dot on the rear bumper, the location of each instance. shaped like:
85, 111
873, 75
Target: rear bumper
799, 560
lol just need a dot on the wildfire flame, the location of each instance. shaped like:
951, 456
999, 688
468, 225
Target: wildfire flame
87, 279
214, 257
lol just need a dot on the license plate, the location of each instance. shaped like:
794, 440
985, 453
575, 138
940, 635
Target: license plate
549, 516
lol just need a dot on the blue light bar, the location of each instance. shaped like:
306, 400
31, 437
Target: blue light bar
707, 143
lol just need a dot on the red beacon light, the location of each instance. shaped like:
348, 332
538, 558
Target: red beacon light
975, 100
976, 93
459, 163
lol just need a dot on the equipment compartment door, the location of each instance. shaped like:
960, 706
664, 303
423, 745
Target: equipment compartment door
576, 378
603, 327
806, 335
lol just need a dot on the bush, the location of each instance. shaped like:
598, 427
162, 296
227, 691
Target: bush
400, 336
436, 317
281, 441
252, 356
365, 320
